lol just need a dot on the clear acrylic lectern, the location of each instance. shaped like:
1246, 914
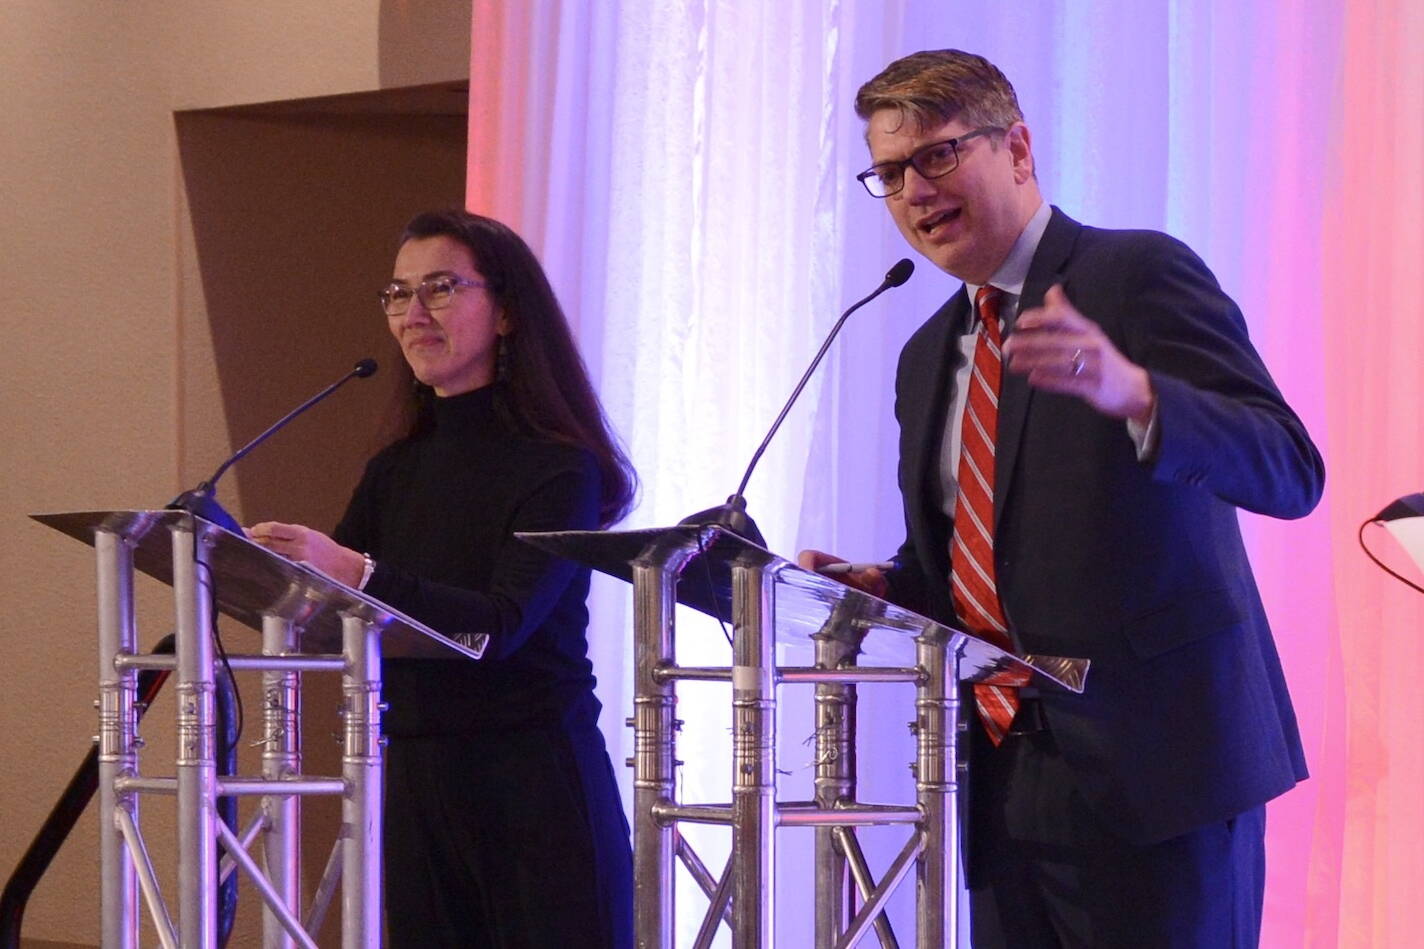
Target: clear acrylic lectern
308, 623
767, 598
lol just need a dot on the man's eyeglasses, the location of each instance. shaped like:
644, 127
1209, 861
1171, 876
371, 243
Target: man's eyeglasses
933, 161
434, 293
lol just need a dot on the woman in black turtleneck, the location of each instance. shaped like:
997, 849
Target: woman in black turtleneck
503, 824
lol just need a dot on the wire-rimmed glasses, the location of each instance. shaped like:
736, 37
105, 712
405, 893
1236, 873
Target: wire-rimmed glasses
434, 292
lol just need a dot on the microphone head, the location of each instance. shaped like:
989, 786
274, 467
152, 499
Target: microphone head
367, 367
899, 273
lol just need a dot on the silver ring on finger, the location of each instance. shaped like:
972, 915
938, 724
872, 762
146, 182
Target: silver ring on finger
1077, 363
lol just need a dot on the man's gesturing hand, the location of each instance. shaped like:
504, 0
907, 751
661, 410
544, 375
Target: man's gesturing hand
1061, 350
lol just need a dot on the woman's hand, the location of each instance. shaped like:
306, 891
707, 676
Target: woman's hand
310, 547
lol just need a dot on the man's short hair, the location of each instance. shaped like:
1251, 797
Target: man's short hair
937, 86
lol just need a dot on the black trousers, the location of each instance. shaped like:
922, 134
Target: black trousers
1048, 872
515, 840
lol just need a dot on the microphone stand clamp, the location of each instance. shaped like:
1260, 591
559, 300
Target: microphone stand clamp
731, 516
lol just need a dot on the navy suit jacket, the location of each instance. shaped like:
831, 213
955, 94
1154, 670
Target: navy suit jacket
1137, 566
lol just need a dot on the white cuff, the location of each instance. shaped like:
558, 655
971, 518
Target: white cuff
1144, 436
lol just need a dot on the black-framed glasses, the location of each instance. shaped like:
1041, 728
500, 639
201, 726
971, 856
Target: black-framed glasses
932, 161
434, 292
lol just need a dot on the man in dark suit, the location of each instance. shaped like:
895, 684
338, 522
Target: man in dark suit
1078, 427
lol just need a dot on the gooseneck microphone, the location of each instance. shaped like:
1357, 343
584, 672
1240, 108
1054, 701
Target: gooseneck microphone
733, 515
201, 500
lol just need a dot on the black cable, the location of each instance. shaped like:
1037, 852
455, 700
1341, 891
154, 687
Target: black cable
222, 651
65, 814
227, 759
712, 590
1379, 563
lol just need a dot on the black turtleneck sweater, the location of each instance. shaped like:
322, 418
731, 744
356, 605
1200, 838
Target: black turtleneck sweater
437, 512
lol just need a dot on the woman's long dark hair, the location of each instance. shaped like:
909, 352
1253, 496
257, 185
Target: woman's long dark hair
544, 387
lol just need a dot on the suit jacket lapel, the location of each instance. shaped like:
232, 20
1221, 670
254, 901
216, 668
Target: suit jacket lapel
1015, 393
924, 420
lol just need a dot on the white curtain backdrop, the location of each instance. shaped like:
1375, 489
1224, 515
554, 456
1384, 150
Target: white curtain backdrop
724, 267
697, 223
685, 169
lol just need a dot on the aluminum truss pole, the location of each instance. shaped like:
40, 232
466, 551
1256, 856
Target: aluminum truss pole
281, 760
361, 766
753, 756
835, 779
655, 575
937, 790
118, 735
197, 740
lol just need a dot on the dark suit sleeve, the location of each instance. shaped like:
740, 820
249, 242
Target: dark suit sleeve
907, 579
1223, 424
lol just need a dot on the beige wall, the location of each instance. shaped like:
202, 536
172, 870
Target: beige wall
174, 282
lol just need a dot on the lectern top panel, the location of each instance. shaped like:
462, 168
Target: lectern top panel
250, 582
806, 602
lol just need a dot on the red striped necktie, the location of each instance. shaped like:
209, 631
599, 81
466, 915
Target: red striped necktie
971, 557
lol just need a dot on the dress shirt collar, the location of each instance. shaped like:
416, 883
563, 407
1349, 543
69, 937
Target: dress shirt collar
1013, 271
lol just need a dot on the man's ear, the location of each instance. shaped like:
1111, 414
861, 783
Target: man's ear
1020, 145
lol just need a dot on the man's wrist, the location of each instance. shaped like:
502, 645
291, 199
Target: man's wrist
1142, 406
1145, 417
